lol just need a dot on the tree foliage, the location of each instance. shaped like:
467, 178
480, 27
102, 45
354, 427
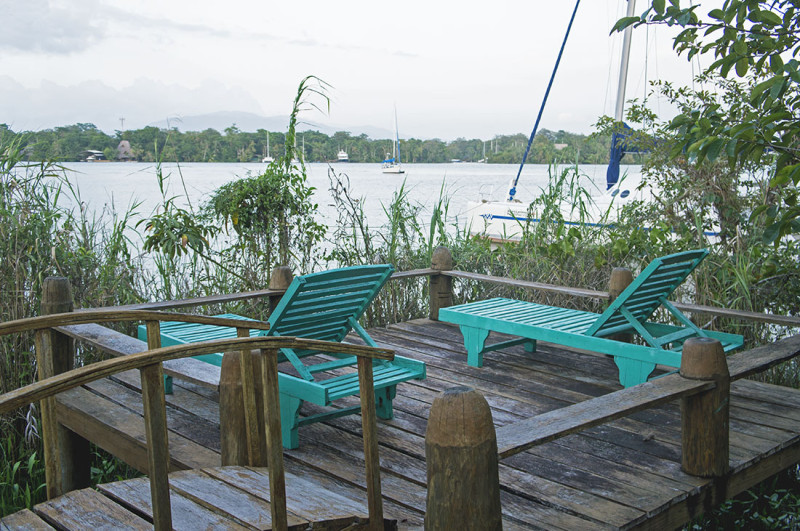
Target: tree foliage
754, 119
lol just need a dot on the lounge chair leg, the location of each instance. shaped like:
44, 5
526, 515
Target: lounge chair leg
290, 412
383, 402
633, 372
167, 384
530, 346
474, 339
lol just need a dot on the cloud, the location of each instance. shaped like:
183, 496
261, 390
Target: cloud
43, 26
145, 101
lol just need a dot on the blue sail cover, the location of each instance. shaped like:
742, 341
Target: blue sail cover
619, 145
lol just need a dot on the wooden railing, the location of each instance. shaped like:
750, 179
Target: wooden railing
511, 439
149, 364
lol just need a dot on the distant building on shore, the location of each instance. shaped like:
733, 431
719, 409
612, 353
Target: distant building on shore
92, 155
124, 152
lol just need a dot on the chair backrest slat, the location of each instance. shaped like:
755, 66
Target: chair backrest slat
319, 305
648, 290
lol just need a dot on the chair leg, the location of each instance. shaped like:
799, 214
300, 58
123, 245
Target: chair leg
383, 402
474, 339
633, 372
530, 346
290, 413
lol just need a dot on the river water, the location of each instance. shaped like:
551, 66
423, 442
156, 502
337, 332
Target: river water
117, 185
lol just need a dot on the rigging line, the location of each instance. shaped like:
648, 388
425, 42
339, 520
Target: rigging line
513, 190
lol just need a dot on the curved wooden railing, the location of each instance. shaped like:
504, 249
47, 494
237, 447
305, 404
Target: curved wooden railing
149, 364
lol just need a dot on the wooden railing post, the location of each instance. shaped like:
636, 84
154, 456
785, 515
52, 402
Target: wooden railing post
441, 286
272, 422
66, 455
155, 424
369, 427
232, 430
705, 417
620, 279
280, 278
461, 453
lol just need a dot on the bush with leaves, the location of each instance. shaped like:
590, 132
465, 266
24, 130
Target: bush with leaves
760, 42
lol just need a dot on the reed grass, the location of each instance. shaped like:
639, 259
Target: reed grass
231, 244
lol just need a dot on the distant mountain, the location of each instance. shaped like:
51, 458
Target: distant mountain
250, 122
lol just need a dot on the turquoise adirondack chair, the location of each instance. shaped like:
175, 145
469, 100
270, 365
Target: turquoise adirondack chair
324, 306
629, 312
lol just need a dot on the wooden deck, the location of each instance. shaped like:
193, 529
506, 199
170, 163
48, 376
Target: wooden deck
623, 474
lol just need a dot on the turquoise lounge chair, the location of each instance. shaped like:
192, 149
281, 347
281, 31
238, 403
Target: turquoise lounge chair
628, 313
323, 306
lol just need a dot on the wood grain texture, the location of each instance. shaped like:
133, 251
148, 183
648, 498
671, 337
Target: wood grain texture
155, 421
233, 431
24, 520
134, 494
441, 286
272, 422
705, 417
106, 315
198, 301
88, 509
119, 344
462, 464
370, 436
66, 455
515, 438
101, 369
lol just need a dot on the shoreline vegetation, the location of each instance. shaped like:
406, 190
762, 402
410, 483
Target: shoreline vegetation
74, 143
730, 159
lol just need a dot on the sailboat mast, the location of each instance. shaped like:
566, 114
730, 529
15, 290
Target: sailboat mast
396, 136
623, 67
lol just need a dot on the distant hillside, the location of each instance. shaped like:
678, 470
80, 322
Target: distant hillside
250, 123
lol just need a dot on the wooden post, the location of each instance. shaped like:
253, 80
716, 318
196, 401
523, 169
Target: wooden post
155, 424
705, 417
369, 427
280, 278
66, 454
249, 401
233, 434
621, 278
461, 452
441, 286
272, 421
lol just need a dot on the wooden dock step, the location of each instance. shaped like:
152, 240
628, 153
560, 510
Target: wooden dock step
212, 498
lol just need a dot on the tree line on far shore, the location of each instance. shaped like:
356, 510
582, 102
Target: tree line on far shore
71, 143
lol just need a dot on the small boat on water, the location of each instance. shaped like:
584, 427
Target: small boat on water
391, 164
342, 156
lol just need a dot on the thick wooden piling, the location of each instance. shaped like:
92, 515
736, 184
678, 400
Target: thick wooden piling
621, 278
66, 455
462, 461
705, 419
280, 278
441, 286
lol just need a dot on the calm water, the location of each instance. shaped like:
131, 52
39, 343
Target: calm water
106, 185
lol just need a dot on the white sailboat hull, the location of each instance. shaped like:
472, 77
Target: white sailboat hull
394, 168
504, 221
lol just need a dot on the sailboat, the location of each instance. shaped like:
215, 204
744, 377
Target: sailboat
502, 221
392, 164
267, 159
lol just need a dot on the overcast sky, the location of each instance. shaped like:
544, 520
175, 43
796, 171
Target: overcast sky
453, 69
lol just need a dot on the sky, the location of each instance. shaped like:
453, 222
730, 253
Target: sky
452, 69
